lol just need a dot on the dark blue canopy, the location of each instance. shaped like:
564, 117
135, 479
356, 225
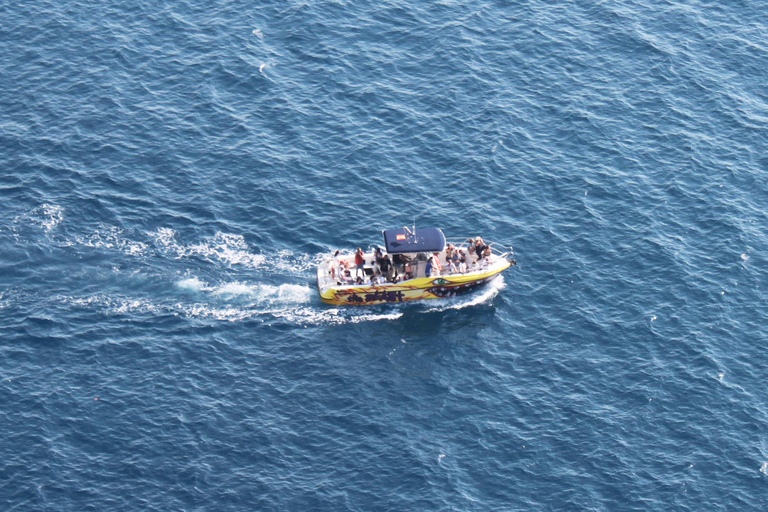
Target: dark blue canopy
401, 240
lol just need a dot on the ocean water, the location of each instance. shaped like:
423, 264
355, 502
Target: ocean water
171, 172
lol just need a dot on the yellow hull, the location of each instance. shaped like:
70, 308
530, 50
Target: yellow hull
413, 289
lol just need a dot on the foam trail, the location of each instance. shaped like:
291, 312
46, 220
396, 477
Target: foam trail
111, 237
235, 289
224, 247
289, 293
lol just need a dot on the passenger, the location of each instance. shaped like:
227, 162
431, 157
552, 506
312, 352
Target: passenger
433, 266
398, 260
487, 253
450, 267
463, 265
405, 263
436, 267
336, 265
359, 262
385, 266
378, 255
408, 270
343, 271
457, 256
382, 280
449, 252
479, 247
395, 267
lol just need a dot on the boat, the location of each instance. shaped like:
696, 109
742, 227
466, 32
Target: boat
412, 265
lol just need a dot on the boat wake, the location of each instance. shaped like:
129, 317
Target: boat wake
218, 278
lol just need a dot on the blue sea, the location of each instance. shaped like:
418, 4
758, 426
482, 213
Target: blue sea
172, 172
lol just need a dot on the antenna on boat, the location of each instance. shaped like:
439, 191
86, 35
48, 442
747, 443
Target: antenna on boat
414, 224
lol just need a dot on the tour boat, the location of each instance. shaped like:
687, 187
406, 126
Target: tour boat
419, 270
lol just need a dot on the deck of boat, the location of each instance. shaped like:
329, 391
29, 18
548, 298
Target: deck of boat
439, 284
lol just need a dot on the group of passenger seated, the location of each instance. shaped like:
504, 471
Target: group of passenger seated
474, 257
479, 249
383, 269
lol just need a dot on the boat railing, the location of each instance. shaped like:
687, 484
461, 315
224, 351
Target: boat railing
510, 254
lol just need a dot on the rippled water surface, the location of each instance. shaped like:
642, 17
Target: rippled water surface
171, 172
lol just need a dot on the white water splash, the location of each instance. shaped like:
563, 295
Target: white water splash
324, 316
486, 294
47, 216
224, 247
115, 305
289, 293
236, 290
192, 284
52, 216
285, 303
111, 237
287, 262
229, 248
165, 237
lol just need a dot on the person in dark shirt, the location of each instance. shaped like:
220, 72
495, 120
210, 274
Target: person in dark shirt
386, 267
399, 263
480, 248
379, 255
